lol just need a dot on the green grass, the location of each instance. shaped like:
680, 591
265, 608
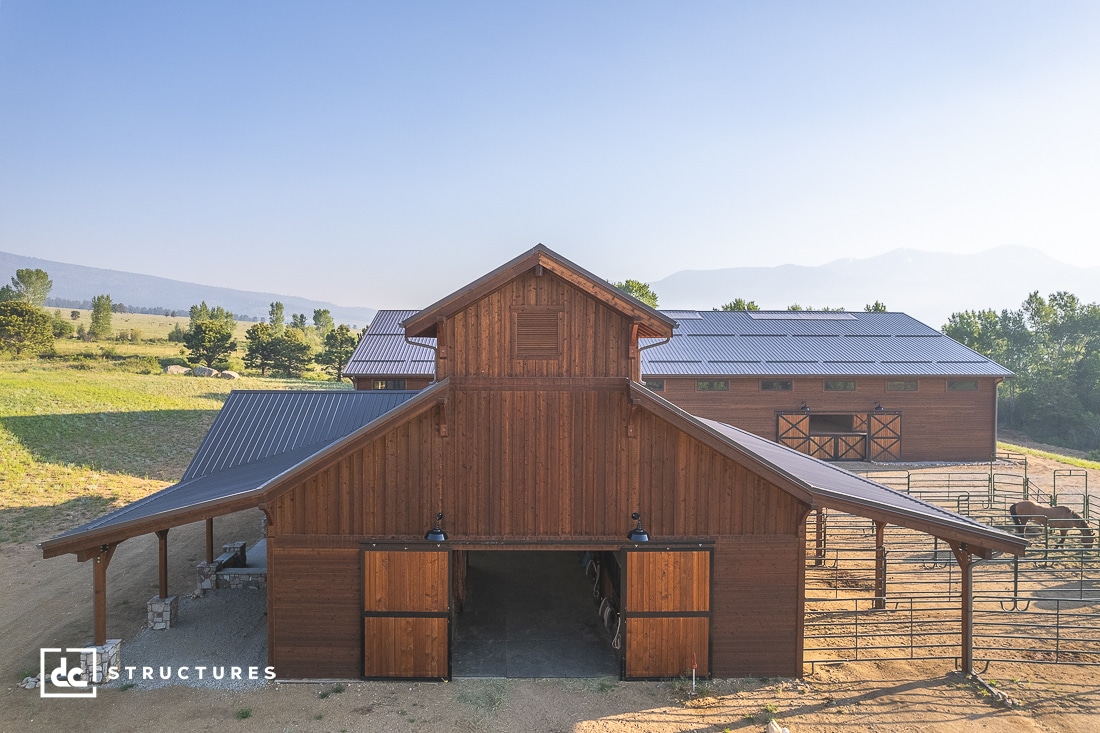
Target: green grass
75, 442
1070, 460
244, 713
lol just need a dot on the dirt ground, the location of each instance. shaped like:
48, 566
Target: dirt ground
48, 603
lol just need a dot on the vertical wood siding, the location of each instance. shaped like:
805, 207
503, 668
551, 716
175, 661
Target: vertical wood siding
938, 425
756, 619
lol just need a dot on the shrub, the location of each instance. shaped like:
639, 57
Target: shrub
142, 364
174, 361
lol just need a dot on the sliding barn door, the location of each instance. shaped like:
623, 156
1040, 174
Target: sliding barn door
406, 613
884, 436
666, 611
794, 431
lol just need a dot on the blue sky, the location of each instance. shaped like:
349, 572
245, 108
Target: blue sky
385, 154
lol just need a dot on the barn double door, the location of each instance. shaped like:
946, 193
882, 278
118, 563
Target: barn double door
875, 436
666, 612
406, 612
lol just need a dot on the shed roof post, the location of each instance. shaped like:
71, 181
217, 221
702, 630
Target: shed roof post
966, 565
162, 547
100, 561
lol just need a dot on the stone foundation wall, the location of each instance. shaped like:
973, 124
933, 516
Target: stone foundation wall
109, 655
163, 612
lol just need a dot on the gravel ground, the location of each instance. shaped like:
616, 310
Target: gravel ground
226, 628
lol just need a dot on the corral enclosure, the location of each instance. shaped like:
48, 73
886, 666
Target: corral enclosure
901, 601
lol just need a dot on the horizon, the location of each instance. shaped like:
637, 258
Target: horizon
360, 153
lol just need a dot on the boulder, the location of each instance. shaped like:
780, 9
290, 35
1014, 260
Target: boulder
202, 371
229, 375
176, 369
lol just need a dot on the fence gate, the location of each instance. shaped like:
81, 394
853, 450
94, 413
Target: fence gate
406, 612
666, 610
884, 436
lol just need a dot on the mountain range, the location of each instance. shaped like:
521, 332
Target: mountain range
929, 286
77, 282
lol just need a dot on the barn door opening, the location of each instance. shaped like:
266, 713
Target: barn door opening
406, 612
530, 613
667, 612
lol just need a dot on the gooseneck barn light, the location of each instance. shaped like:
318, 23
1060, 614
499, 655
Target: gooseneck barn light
436, 533
637, 534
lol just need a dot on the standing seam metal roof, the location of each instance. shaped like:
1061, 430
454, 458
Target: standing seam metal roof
740, 343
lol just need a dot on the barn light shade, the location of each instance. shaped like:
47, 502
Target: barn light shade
805, 407
436, 533
637, 534
879, 407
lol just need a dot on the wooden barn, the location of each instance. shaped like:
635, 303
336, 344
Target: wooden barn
834, 385
536, 434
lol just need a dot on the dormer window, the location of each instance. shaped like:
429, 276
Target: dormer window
536, 332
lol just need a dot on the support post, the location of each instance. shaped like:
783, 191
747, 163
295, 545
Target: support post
966, 565
819, 543
162, 542
880, 565
210, 539
100, 561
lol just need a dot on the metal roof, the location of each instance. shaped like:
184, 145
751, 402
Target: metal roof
257, 436
255, 425
740, 343
831, 485
383, 350
794, 343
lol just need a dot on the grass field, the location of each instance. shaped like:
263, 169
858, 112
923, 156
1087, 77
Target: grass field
77, 437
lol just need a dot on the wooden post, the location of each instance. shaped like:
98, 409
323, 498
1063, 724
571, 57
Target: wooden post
880, 565
100, 561
966, 564
162, 541
210, 539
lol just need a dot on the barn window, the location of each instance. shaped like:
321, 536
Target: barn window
901, 385
657, 385
775, 385
962, 385
389, 384
537, 333
712, 385
840, 385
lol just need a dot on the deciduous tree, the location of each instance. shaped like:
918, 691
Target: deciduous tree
101, 317
639, 290
740, 304
29, 286
208, 341
322, 321
340, 343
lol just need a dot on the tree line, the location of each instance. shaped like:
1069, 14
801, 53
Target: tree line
272, 346
1053, 346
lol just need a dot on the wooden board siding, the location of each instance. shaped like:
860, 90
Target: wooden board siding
406, 608
666, 609
536, 465
938, 425
315, 608
479, 340
756, 619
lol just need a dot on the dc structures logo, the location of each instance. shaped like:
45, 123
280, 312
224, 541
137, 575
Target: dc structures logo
68, 672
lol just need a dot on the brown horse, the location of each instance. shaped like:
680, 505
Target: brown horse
1056, 517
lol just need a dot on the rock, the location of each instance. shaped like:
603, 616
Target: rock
29, 683
201, 371
229, 375
774, 727
176, 369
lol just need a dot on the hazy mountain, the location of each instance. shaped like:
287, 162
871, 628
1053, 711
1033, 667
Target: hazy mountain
929, 286
76, 282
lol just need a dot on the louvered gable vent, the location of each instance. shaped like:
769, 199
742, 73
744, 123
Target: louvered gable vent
538, 333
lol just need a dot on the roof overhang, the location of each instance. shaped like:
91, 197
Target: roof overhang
823, 485
257, 488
